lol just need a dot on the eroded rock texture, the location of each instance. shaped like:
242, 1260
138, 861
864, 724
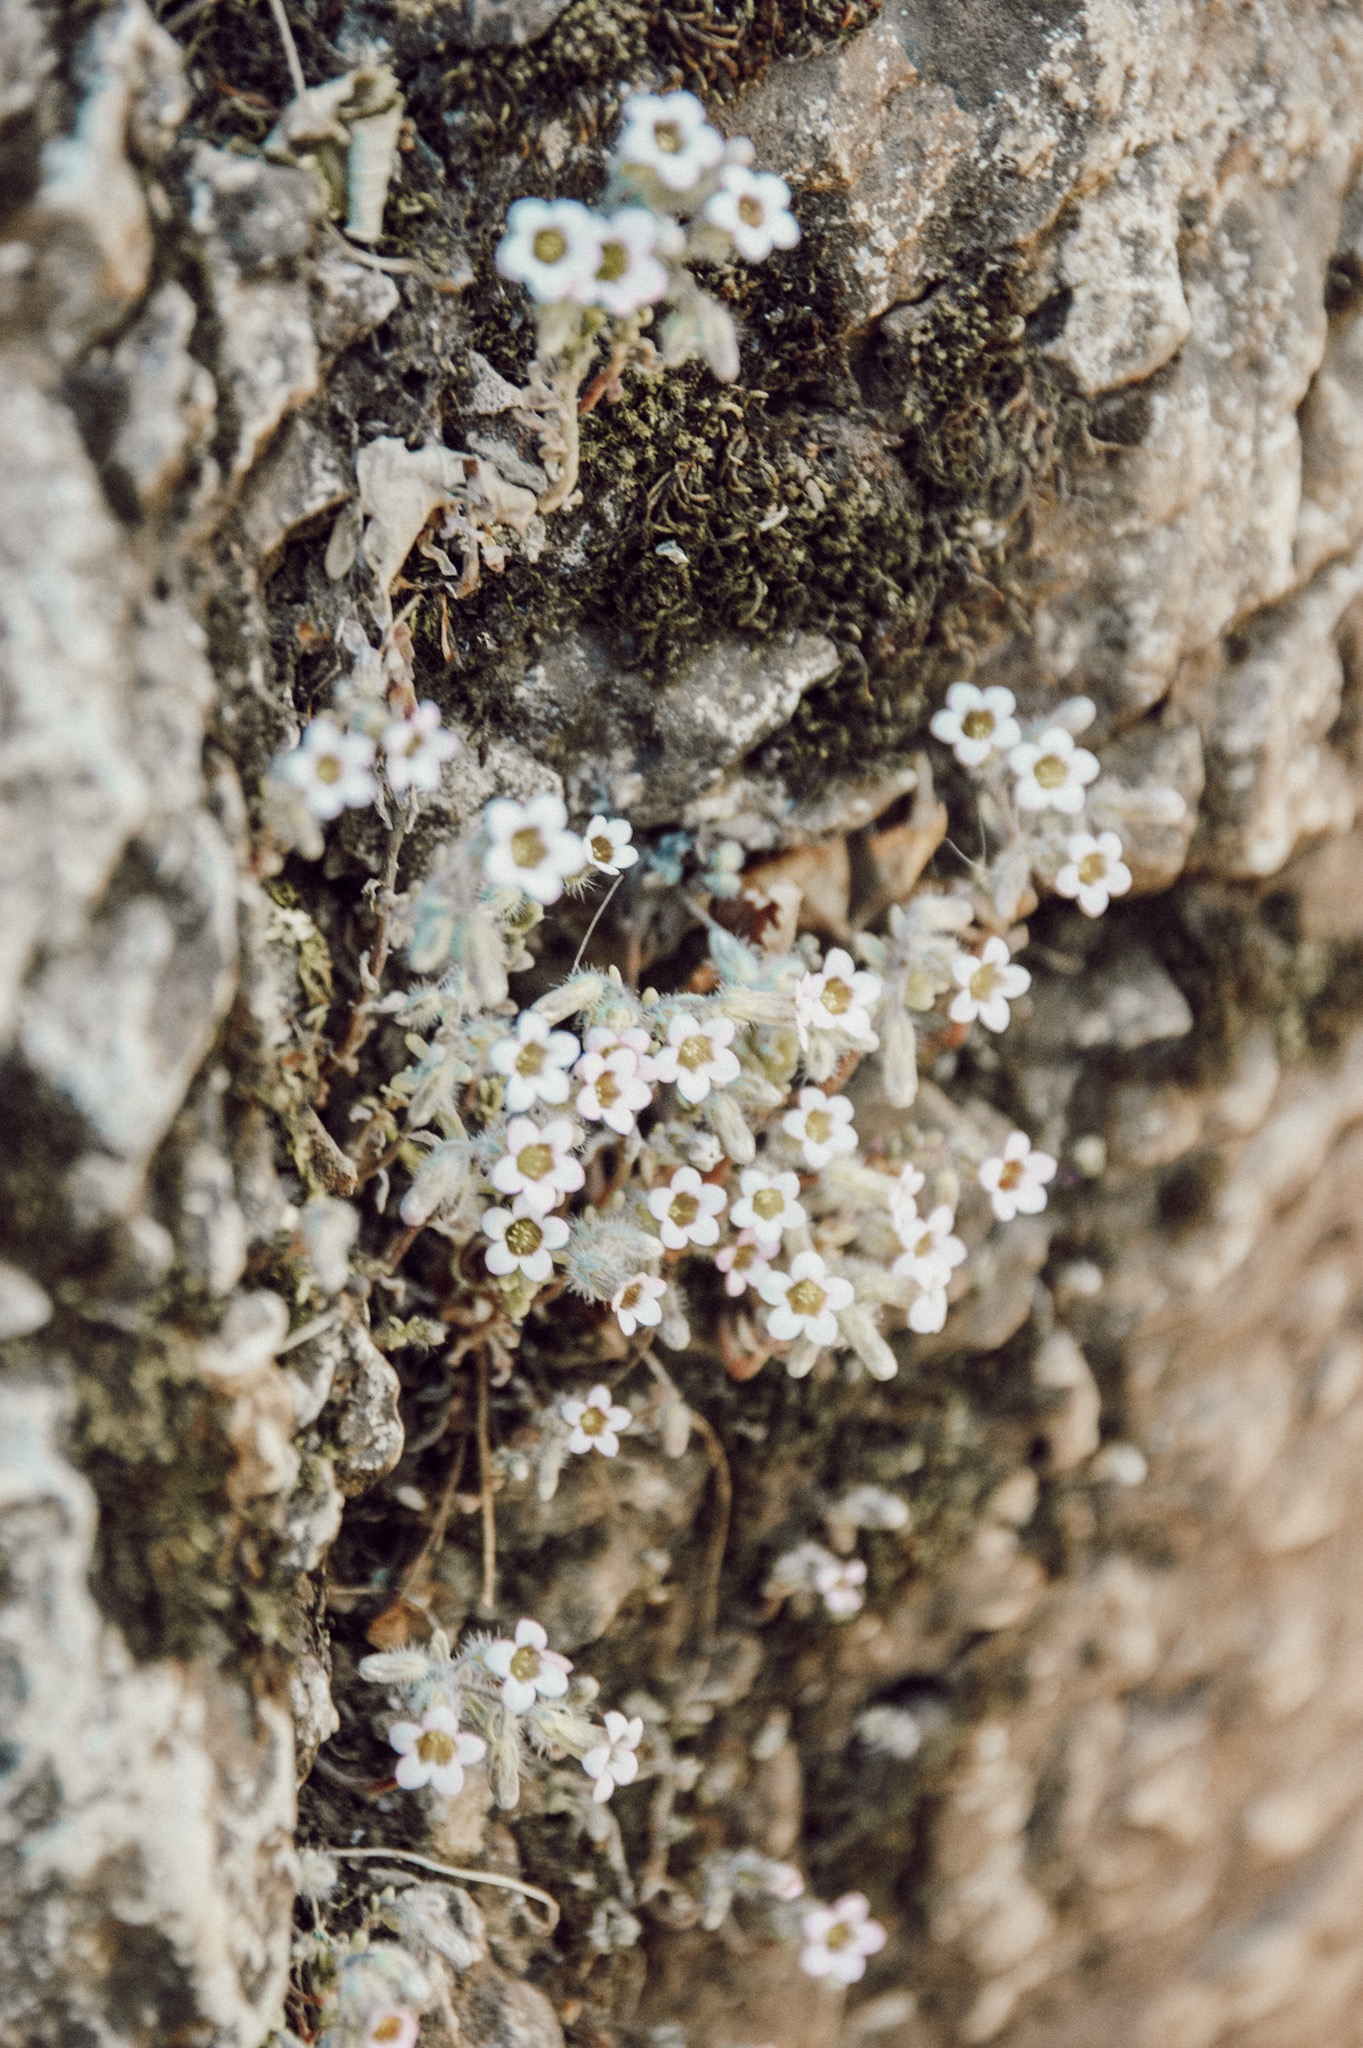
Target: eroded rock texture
1063, 388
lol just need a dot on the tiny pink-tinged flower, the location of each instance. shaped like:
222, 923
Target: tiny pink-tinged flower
743, 1264
687, 1210
534, 1060
987, 982
538, 1163
696, 1057
613, 1091
839, 1938
768, 1206
614, 1761
638, 1304
528, 1668
821, 1125
1015, 1180
415, 750
840, 997
434, 1751
596, 1422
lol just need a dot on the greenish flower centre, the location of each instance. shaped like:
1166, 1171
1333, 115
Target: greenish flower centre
837, 997
593, 1422
434, 1746
328, 768
806, 1297
614, 263
668, 136
1051, 772
750, 211
695, 1052
535, 1161
684, 1211
550, 246
984, 981
525, 1665
768, 1203
601, 847
530, 1059
524, 1236
977, 725
608, 1089
818, 1126
1092, 868
528, 848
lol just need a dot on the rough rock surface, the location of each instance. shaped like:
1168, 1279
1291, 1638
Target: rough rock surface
1065, 384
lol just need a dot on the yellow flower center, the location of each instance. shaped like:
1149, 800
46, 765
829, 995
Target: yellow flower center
550, 246
524, 1236
838, 1937
768, 1203
750, 211
668, 137
984, 981
593, 1422
1012, 1175
389, 2028
1092, 868
818, 1126
535, 1161
608, 1089
526, 1663
1051, 771
807, 1297
629, 1297
695, 1052
601, 847
614, 262
329, 768
977, 725
434, 1746
530, 1059
837, 997
744, 1254
684, 1211
527, 847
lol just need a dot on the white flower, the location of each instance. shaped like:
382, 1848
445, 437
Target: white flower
554, 247
768, 1206
988, 983
530, 846
333, 769
416, 749
839, 998
697, 1056
928, 1313
839, 1584
687, 1209
805, 1300
595, 1423
838, 1939
637, 1303
977, 723
527, 1667
538, 1163
1096, 871
522, 1239
392, 2026
931, 1250
628, 274
434, 1751
1052, 772
606, 1038
607, 841
753, 209
822, 1125
904, 1201
612, 1091
534, 1060
669, 135
614, 1761
742, 1264
1015, 1181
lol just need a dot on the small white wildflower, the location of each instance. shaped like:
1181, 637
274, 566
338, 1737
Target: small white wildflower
607, 841
609, 1037
614, 1761
638, 1304
904, 1201
1015, 1180
612, 1091
531, 847
538, 1163
989, 982
928, 1313
687, 1210
333, 770
522, 1239
669, 135
415, 750
1095, 872
533, 1059
1052, 772
596, 1422
977, 724
628, 274
528, 1668
392, 2026
805, 1301
822, 1125
434, 1751
552, 246
838, 1939
839, 1585
931, 1250
742, 1263
753, 209
697, 1057
768, 1206
840, 997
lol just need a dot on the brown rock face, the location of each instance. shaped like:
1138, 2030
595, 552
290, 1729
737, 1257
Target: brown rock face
1062, 389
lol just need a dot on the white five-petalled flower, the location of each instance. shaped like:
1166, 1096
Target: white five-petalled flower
538, 1163
638, 1304
613, 1091
988, 983
805, 1301
522, 1239
1015, 1180
434, 1750
669, 135
742, 1263
768, 1206
1052, 772
527, 1667
687, 1209
607, 843
332, 769
977, 724
552, 246
1095, 872
614, 1761
596, 1423
534, 1060
415, 750
840, 997
753, 209
697, 1056
931, 1251
839, 1582
530, 847
821, 1125
628, 274
838, 1939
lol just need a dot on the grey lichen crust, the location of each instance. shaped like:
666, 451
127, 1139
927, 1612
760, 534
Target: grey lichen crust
1063, 389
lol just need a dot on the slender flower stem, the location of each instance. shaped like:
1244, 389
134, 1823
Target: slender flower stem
587, 935
458, 1875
